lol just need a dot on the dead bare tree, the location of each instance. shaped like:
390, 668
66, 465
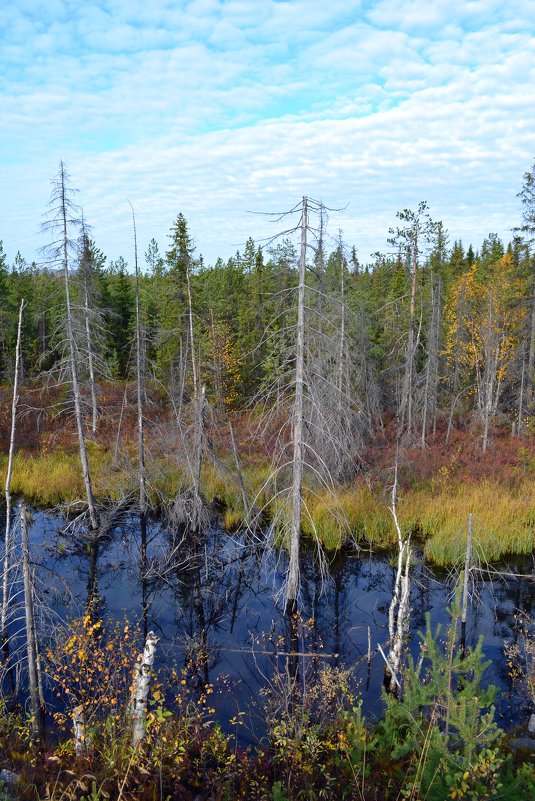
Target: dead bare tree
309, 398
62, 218
31, 638
399, 611
140, 432
9, 472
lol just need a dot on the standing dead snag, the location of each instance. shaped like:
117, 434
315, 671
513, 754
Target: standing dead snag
140, 439
7, 540
31, 638
399, 612
297, 431
62, 219
140, 688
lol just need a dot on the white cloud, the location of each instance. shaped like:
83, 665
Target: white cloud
214, 108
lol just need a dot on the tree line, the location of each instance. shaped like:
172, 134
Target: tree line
430, 332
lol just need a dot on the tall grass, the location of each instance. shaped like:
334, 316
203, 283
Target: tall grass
504, 520
504, 515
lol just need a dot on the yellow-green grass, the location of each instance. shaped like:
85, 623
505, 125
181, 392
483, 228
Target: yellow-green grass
337, 517
55, 477
503, 519
503, 515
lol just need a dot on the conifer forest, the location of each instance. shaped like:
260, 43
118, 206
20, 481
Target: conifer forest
269, 523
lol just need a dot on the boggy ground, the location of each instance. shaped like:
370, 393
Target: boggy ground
438, 486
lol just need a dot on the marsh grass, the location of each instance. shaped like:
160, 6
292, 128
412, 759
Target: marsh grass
504, 518
437, 512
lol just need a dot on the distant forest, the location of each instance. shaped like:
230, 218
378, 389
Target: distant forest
431, 331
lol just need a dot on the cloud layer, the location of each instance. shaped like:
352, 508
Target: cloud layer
214, 108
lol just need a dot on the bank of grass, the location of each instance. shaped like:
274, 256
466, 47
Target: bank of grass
437, 511
503, 518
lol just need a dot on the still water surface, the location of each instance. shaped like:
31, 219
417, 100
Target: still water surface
228, 597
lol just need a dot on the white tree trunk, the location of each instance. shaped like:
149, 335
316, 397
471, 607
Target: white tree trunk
78, 723
31, 639
92, 385
73, 363
292, 584
399, 611
9, 472
140, 688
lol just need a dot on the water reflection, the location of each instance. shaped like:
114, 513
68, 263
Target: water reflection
211, 600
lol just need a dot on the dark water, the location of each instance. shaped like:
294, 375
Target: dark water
226, 597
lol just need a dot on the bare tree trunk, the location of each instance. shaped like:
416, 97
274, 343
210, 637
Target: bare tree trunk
199, 400
192, 340
78, 723
31, 640
399, 611
407, 388
7, 539
530, 371
520, 418
431, 373
466, 576
118, 437
198, 448
139, 388
292, 585
140, 688
92, 385
73, 362
140, 439
342, 351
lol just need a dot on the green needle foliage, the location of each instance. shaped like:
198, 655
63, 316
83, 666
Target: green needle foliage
443, 729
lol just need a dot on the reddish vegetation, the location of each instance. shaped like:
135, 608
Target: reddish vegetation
46, 423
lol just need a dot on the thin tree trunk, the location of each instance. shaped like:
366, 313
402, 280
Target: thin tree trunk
92, 385
73, 366
7, 539
292, 586
140, 688
31, 639
406, 395
520, 418
118, 437
140, 440
78, 723
342, 348
431, 373
399, 611
468, 558
530, 371
237, 462
197, 466
198, 406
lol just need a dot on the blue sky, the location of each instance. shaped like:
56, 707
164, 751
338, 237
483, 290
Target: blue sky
217, 107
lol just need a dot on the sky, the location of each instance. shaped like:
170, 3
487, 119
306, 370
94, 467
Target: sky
219, 108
